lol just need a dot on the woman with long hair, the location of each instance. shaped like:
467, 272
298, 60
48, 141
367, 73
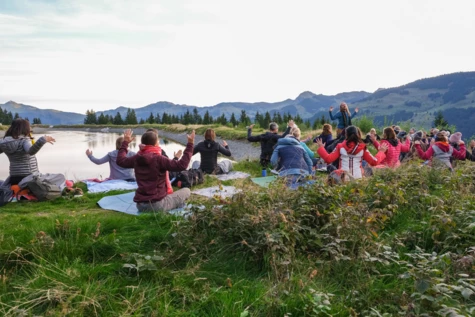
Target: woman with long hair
343, 117
326, 135
351, 153
394, 148
20, 148
209, 150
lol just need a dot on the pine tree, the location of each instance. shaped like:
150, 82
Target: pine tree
118, 119
142, 121
151, 118
131, 118
91, 117
244, 119
158, 119
207, 118
102, 119
233, 120
439, 121
266, 120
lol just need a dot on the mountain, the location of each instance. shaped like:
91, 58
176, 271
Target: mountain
416, 102
47, 116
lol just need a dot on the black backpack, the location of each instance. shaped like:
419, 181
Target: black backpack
189, 178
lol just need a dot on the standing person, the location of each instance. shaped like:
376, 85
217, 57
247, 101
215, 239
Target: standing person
326, 135
268, 140
116, 172
441, 150
209, 150
351, 153
150, 172
394, 148
343, 117
17, 145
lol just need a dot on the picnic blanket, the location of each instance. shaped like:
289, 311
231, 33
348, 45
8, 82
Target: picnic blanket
125, 203
221, 191
232, 175
264, 181
113, 184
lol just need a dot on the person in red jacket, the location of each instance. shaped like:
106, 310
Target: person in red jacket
150, 172
395, 147
441, 150
351, 153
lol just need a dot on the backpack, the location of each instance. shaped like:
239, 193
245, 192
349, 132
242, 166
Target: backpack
44, 186
6, 195
189, 178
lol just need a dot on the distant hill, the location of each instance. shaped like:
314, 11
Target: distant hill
416, 102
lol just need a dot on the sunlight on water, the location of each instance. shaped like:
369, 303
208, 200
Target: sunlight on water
68, 154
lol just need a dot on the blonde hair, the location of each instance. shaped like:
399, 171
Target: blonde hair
295, 132
373, 130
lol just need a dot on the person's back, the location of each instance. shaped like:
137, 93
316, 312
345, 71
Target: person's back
209, 150
291, 157
150, 172
268, 140
395, 148
17, 145
441, 151
116, 172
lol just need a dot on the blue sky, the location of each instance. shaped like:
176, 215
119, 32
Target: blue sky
78, 55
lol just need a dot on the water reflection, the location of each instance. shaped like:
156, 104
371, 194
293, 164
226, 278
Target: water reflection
68, 154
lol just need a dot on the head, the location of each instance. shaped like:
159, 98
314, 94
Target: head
441, 137
295, 132
149, 138
353, 134
419, 135
343, 107
412, 130
273, 127
455, 138
327, 129
388, 133
210, 135
435, 131
152, 130
18, 128
397, 129
118, 142
372, 131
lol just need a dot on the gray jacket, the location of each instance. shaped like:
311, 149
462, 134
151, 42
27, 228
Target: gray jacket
21, 154
116, 172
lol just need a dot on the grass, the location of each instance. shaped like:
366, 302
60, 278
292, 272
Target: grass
398, 243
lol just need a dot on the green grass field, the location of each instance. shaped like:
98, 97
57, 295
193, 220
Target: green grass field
398, 243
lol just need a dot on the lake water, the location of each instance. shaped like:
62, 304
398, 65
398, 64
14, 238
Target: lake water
68, 154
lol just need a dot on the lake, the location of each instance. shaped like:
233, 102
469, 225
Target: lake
68, 154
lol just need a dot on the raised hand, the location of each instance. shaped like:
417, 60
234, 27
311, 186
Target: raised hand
251, 126
225, 143
128, 135
372, 137
191, 137
356, 110
178, 154
291, 123
383, 148
88, 152
320, 143
331, 109
49, 139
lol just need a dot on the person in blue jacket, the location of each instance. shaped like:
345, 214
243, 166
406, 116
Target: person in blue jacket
343, 117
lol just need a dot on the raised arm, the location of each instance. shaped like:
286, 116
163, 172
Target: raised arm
224, 149
122, 159
33, 149
95, 160
250, 138
423, 155
460, 154
406, 147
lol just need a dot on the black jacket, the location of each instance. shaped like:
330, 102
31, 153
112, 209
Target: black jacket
268, 141
209, 154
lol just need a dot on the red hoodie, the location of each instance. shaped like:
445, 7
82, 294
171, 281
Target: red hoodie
150, 171
444, 147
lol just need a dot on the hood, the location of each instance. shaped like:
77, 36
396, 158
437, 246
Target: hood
443, 146
209, 144
350, 146
288, 141
393, 142
144, 159
10, 145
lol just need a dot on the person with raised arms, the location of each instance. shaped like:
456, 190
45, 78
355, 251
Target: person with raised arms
343, 117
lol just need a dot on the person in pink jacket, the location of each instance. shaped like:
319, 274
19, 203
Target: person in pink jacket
351, 153
395, 147
441, 150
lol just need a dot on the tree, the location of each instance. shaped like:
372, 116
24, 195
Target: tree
266, 120
131, 118
118, 119
439, 121
91, 117
207, 119
244, 119
233, 120
158, 119
196, 117
142, 121
102, 119
222, 119
151, 118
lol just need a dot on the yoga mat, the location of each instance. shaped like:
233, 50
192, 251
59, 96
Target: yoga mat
222, 191
264, 181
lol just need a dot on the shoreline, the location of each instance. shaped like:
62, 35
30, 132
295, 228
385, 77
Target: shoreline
240, 150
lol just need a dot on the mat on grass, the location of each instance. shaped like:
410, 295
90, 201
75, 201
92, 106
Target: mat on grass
221, 191
105, 186
125, 203
232, 175
264, 181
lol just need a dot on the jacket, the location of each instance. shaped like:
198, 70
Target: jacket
341, 119
395, 147
291, 157
21, 154
209, 154
150, 171
326, 139
351, 157
268, 141
116, 172
441, 150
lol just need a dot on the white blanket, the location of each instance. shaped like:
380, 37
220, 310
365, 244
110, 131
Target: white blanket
221, 191
113, 184
232, 175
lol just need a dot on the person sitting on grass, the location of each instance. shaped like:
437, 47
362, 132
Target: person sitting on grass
395, 147
291, 158
209, 150
372, 133
116, 172
268, 140
441, 151
326, 135
150, 172
351, 153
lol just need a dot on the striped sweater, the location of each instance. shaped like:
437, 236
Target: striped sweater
21, 154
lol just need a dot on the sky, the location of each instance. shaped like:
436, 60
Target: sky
102, 54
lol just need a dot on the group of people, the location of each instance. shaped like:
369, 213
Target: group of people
287, 153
